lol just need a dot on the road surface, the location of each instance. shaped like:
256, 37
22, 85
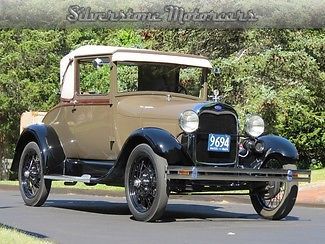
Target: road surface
97, 219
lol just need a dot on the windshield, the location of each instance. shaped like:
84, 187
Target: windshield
174, 78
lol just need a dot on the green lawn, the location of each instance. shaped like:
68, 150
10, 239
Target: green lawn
318, 175
12, 236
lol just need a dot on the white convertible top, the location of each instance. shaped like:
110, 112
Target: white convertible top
121, 54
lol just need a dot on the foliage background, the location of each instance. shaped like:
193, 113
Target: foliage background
279, 74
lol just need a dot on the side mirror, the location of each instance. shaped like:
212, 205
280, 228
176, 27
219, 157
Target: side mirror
98, 63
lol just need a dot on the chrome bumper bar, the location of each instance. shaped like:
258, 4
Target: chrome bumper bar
288, 174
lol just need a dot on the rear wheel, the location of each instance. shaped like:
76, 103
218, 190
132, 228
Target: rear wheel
146, 184
276, 199
33, 188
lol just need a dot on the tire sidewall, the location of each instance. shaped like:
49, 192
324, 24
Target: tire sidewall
161, 198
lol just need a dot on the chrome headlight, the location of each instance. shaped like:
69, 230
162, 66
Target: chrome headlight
189, 121
254, 126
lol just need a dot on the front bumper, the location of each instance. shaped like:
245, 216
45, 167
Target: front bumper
288, 174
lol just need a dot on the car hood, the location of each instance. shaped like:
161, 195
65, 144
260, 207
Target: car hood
160, 111
155, 106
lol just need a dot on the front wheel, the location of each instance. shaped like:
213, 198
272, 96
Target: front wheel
33, 187
146, 186
275, 200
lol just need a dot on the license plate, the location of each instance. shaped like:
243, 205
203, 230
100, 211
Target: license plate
219, 143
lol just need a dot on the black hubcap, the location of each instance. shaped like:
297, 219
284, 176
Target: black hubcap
142, 183
31, 174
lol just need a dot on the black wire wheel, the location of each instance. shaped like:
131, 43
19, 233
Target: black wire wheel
276, 199
33, 188
146, 186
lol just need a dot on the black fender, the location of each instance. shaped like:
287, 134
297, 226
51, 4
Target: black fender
279, 148
48, 141
161, 141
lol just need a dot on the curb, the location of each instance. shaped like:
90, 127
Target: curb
305, 195
312, 194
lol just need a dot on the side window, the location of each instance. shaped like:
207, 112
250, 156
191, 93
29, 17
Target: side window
94, 76
127, 77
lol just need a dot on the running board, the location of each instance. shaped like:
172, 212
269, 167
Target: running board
67, 178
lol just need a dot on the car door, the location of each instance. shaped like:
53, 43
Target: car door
91, 113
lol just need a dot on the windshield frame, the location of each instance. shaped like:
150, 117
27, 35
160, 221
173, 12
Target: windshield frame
203, 81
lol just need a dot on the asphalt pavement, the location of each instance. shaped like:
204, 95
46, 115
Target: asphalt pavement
74, 218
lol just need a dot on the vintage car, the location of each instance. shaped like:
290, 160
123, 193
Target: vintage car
142, 119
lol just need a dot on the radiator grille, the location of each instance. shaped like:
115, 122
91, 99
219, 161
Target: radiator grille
216, 123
